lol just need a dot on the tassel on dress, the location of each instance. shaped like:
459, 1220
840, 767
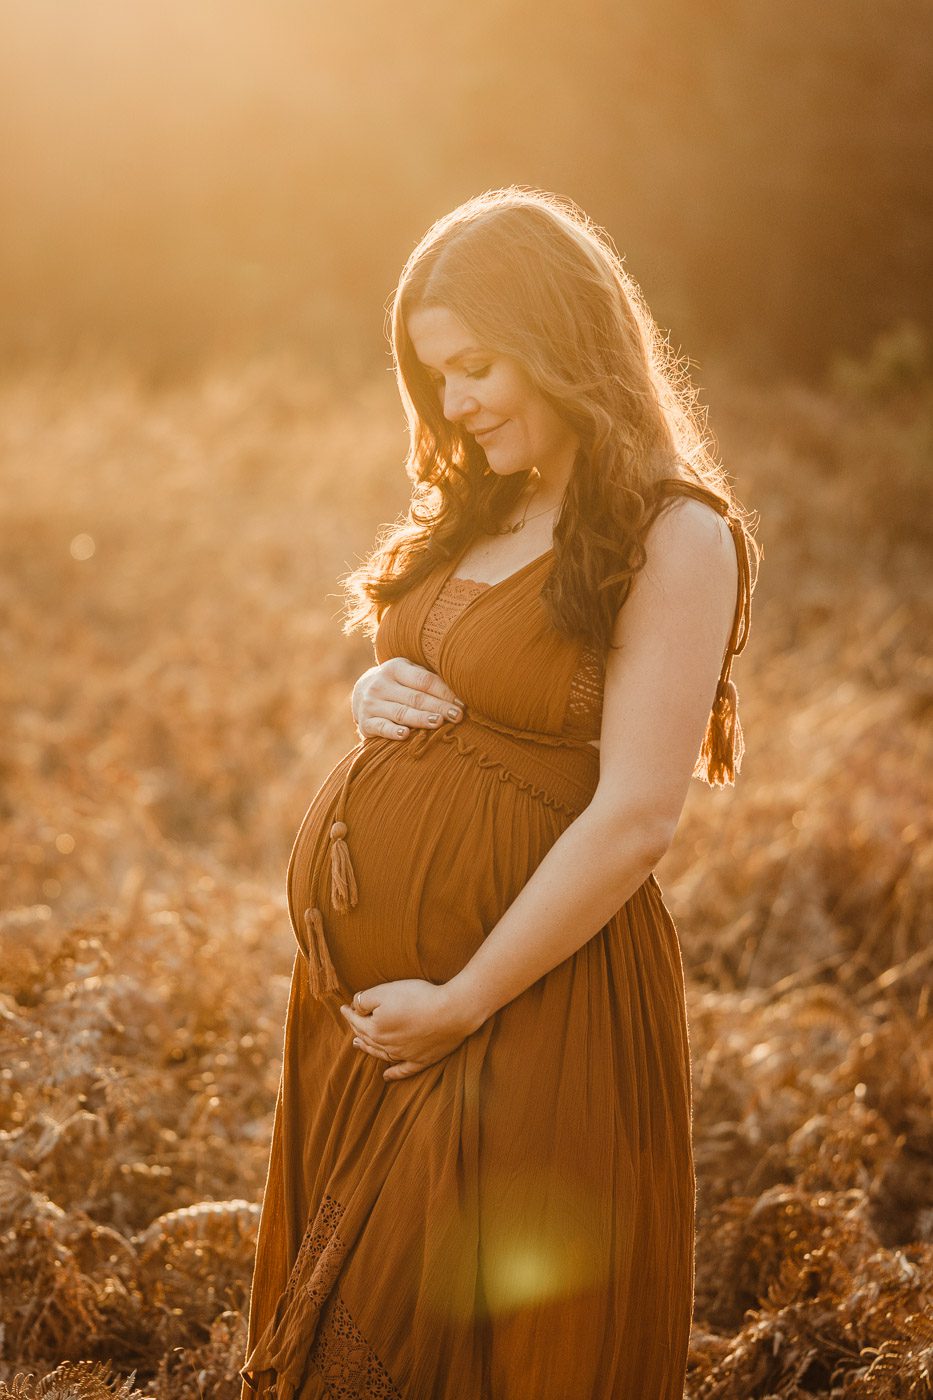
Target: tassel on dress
322, 976
723, 744
343, 890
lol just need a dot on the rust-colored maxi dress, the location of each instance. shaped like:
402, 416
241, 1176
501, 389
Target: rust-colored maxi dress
516, 1221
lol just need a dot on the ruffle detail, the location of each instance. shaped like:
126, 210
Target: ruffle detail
453, 734
508, 775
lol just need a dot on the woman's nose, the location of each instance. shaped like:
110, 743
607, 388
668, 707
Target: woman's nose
458, 403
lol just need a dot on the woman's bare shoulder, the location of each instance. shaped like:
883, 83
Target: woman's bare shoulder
691, 534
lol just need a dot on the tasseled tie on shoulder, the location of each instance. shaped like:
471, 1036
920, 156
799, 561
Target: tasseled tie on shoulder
723, 744
723, 747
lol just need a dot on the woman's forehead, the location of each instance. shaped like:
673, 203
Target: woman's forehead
439, 337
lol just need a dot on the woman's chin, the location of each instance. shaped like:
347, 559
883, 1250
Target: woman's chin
503, 466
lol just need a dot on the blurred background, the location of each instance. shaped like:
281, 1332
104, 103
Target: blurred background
229, 176
205, 211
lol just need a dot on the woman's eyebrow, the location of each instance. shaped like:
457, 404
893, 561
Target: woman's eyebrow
460, 355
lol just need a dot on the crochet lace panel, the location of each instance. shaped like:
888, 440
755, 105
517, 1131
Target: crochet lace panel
585, 703
585, 706
348, 1366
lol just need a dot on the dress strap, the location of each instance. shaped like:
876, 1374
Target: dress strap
723, 747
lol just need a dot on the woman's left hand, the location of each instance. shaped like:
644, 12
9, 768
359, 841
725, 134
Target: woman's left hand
410, 1023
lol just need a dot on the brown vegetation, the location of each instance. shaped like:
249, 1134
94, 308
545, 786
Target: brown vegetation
175, 685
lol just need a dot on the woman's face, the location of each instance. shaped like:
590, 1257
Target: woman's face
492, 396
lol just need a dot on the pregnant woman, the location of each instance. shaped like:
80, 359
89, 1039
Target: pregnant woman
481, 1182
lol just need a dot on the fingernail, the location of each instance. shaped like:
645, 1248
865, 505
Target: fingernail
453, 714
400, 732
434, 719
355, 1041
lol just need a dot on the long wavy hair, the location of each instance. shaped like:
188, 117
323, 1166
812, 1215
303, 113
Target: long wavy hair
533, 277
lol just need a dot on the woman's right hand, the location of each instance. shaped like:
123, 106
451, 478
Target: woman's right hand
392, 699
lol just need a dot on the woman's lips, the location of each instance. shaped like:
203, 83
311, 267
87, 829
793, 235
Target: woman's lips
487, 432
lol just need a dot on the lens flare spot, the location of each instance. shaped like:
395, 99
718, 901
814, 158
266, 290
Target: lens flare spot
524, 1274
541, 1239
547, 1260
82, 547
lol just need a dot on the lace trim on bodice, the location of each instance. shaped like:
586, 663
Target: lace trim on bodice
585, 706
585, 703
449, 603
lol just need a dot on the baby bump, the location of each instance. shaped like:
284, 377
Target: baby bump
443, 831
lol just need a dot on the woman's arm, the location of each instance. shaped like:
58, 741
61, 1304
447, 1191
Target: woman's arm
658, 691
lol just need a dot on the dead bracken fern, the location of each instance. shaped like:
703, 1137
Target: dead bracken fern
209, 1369
54, 1296
73, 1380
901, 1368
188, 1259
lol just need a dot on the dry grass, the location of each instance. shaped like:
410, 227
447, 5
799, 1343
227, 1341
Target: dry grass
172, 702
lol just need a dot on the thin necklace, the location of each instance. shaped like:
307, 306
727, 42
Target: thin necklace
513, 529
520, 525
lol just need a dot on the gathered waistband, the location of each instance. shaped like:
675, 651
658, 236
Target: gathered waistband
558, 770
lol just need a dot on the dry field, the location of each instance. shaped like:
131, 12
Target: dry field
175, 685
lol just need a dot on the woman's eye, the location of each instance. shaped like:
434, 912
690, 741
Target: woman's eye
438, 379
